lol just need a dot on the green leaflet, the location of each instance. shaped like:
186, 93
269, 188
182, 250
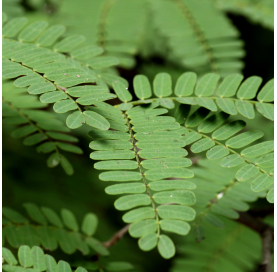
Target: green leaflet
213, 220
148, 242
162, 153
42, 87
232, 161
38, 258
69, 148
116, 164
266, 110
166, 163
247, 172
181, 113
202, 145
229, 85
24, 256
52, 217
86, 52
148, 126
258, 149
120, 176
31, 32
34, 139
65, 106
175, 226
113, 155
267, 92
227, 105
142, 87
51, 264
162, 185
28, 80
69, 43
178, 197
35, 213
244, 139
103, 62
130, 188
228, 130
262, 182
249, 87
95, 98
186, 100
50, 35
110, 144
245, 108
8, 256
47, 237
197, 117
207, 103
89, 224
192, 137
131, 201
207, 85
80, 91
166, 247
217, 152
270, 196
69, 220
143, 227
185, 84
122, 91
167, 103
157, 174
138, 214
265, 161
176, 212
52, 97
94, 119
109, 134
13, 27
162, 85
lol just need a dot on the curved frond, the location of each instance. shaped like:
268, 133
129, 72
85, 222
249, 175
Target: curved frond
56, 74
144, 155
199, 36
47, 229
259, 11
234, 248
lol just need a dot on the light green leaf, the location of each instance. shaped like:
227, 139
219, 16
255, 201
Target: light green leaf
24, 256
270, 196
265, 161
166, 247
8, 256
14, 216
267, 110
69, 81
206, 103
202, 145
52, 217
138, 214
86, 52
64, 267
157, 174
31, 32
206, 85
227, 105
80, 91
244, 139
94, 119
179, 197
89, 224
46, 147
148, 242
125, 106
62, 137
53, 160
23, 131
52, 97
69, 43
162, 185
192, 137
162, 85
103, 62
50, 35
42, 87
122, 91
262, 182
175, 226
129, 188
258, 149
152, 126
12, 27
249, 87
65, 106
143, 228
142, 87
131, 201
267, 92
247, 172
35, 213
116, 165
229, 85
176, 212
51, 265
66, 241
167, 103
69, 148
28, 80
162, 153
166, 163
110, 144
75, 120
113, 155
217, 152
81, 269
245, 108
228, 130
34, 139
38, 258
120, 176
186, 100
69, 220
95, 98
47, 237
232, 161
185, 84
211, 123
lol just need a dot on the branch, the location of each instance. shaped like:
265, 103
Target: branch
116, 237
266, 232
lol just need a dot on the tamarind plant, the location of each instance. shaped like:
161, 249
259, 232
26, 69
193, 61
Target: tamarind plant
177, 124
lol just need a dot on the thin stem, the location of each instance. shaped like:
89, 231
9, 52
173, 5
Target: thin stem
116, 237
141, 172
